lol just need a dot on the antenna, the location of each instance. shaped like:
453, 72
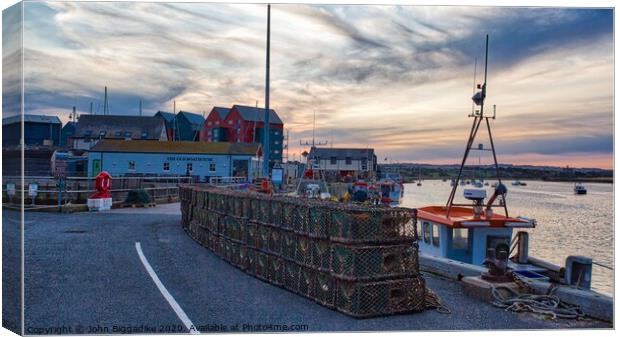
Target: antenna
105, 100
266, 144
473, 90
314, 143
91, 108
140, 107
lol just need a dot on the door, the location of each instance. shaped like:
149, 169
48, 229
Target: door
96, 167
240, 168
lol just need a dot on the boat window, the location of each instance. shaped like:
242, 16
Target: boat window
418, 228
460, 238
435, 234
427, 232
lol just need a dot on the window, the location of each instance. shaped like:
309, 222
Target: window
118, 133
333, 160
217, 122
419, 228
435, 235
427, 232
190, 167
166, 166
230, 122
276, 151
276, 142
88, 133
143, 135
131, 166
86, 140
102, 133
212, 167
348, 160
276, 133
459, 238
127, 134
209, 123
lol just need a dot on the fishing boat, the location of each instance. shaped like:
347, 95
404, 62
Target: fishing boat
471, 238
580, 189
390, 191
518, 183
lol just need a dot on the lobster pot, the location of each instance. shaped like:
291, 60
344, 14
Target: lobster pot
221, 247
324, 291
234, 227
275, 269
234, 253
367, 299
212, 220
288, 209
250, 234
185, 214
318, 222
301, 212
200, 198
261, 265
243, 256
320, 254
275, 241
374, 225
250, 261
264, 208
193, 197
307, 280
230, 200
289, 243
290, 278
275, 212
302, 250
373, 262
262, 239
241, 206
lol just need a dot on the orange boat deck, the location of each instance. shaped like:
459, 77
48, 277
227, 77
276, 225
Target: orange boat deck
463, 217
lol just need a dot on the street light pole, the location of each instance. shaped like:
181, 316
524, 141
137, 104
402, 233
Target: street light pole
266, 119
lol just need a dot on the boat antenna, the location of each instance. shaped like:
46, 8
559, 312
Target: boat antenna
473, 89
479, 99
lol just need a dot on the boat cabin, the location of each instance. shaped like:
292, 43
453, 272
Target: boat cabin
464, 234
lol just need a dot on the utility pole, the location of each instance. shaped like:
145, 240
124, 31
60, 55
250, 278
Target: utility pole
91, 108
105, 101
140, 107
266, 153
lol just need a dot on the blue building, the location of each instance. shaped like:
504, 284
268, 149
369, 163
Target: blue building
180, 158
38, 130
183, 125
67, 133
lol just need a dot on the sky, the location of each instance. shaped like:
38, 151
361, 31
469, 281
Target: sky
398, 79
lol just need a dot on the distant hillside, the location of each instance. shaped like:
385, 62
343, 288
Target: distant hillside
524, 172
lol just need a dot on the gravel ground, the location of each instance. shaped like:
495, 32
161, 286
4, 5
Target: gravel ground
84, 269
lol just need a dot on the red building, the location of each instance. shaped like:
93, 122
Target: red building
243, 124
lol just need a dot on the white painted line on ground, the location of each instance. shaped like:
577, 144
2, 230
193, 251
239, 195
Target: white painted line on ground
175, 306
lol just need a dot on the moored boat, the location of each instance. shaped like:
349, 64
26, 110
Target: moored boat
580, 189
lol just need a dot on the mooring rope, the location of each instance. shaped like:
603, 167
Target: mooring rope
548, 305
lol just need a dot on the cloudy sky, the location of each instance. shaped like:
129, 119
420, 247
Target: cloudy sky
396, 78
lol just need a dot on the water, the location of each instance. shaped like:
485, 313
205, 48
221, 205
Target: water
568, 224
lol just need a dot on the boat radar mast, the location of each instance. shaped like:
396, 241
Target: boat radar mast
479, 116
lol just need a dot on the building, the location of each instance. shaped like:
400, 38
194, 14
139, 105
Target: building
91, 128
344, 162
66, 134
180, 158
244, 124
38, 130
184, 126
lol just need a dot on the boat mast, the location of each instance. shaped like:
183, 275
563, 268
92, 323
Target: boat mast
266, 144
478, 116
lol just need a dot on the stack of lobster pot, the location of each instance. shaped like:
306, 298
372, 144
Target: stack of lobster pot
357, 259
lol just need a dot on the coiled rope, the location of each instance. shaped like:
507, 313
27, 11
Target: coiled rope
433, 301
547, 305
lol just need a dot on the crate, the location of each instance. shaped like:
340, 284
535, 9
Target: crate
250, 234
367, 299
289, 242
307, 280
324, 291
261, 265
302, 250
373, 262
275, 269
319, 219
320, 254
290, 278
275, 241
372, 225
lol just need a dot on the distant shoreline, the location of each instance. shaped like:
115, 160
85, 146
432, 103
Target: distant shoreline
601, 180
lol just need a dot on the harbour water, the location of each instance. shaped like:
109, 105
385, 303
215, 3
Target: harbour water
568, 224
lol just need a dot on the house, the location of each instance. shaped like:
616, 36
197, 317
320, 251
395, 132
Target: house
173, 158
91, 128
38, 130
168, 118
187, 126
244, 124
344, 162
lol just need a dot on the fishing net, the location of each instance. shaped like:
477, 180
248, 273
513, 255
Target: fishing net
358, 259
138, 197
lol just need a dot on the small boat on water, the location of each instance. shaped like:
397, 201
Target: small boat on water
518, 183
390, 191
580, 189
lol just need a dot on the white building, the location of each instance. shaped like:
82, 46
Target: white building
344, 161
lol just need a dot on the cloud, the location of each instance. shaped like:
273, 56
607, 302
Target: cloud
397, 78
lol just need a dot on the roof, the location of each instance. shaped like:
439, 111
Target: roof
113, 124
184, 147
167, 116
195, 119
222, 112
31, 119
463, 217
341, 153
69, 125
253, 114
